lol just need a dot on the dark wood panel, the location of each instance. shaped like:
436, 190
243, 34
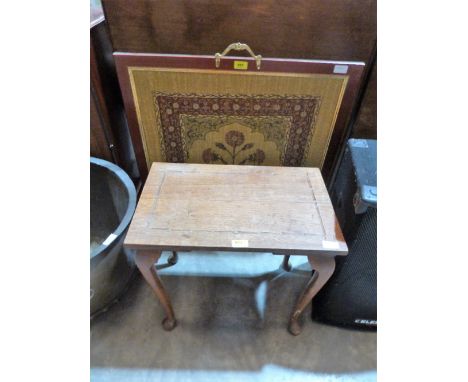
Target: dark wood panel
99, 147
365, 126
102, 137
313, 29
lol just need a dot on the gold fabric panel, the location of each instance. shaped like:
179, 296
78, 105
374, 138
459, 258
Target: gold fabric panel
207, 116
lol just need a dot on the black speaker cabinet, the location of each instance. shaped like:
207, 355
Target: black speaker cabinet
350, 296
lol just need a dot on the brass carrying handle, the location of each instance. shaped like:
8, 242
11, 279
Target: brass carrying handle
238, 46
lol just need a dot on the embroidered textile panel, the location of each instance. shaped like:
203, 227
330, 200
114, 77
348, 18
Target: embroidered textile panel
205, 116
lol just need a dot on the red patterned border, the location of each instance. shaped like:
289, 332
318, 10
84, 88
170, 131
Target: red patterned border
302, 110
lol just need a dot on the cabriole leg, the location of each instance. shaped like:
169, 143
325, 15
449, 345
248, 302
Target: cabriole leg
323, 267
145, 261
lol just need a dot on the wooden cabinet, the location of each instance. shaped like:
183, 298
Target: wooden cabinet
99, 144
365, 126
101, 136
311, 29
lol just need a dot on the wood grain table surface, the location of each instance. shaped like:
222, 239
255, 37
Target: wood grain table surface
282, 210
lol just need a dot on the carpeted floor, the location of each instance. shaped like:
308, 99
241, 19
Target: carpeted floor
232, 311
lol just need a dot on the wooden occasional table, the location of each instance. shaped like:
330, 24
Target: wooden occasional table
282, 210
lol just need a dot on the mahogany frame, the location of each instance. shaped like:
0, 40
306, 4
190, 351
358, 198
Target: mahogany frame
274, 65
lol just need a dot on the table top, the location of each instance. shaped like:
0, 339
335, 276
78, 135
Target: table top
283, 210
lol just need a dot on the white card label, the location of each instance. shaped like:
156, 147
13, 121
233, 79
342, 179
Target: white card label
340, 69
239, 243
330, 244
109, 239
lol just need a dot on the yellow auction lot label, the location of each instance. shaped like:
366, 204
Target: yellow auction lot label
241, 65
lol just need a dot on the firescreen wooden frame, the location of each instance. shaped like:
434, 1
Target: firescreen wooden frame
354, 71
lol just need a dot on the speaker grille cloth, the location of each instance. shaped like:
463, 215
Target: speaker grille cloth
351, 294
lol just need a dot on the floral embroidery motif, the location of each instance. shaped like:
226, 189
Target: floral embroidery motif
234, 139
197, 127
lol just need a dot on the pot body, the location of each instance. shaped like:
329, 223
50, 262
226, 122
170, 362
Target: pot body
113, 201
